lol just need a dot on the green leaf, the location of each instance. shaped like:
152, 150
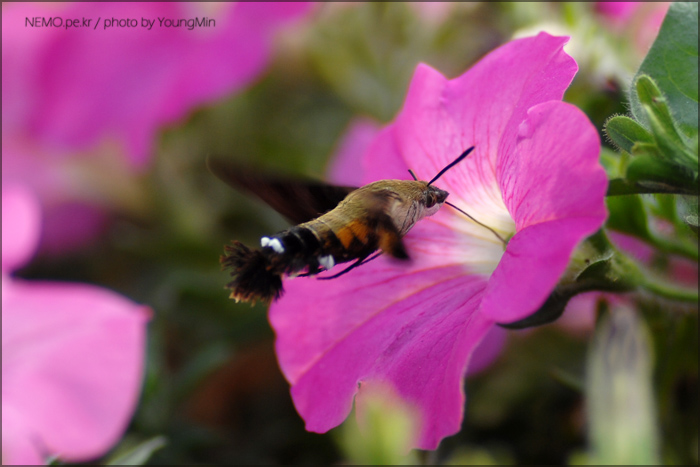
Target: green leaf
621, 412
367, 55
625, 132
627, 215
690, 211
646, 149
650, 96
139, 454
664, 159
661, 176
613, 162
619, 186
670, 143
672, 62
477, 456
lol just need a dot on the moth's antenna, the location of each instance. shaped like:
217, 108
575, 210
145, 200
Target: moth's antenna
451, 164
483, 225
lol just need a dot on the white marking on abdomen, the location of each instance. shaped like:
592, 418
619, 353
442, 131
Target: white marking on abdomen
326, 261
273, 243
276, 245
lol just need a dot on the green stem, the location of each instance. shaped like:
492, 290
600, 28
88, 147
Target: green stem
665, 290
637, 274
620, 187
681, 249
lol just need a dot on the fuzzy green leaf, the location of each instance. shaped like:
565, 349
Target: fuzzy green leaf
625, 132
673, 63
665, 176
671, 143
627, 215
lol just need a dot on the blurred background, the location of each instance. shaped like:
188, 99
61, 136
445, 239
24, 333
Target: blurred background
111, 129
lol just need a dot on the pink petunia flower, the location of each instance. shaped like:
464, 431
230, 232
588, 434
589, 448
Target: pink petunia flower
72, 354
534, 177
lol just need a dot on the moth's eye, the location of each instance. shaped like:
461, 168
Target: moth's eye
430, 200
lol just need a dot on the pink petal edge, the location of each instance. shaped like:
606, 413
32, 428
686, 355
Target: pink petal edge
554, 187
21, 221
72, 364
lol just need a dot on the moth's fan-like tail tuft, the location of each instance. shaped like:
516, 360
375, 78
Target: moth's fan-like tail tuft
253, 276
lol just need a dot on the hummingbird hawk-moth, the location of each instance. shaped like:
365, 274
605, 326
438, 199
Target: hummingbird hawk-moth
335, 224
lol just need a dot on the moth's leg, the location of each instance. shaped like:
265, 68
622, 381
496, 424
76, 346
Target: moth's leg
313, 270
359, 262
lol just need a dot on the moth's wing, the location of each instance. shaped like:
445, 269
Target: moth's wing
298, 200
390, 238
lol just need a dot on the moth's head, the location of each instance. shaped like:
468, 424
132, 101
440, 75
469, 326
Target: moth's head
413, 200
411, 191
429, 196
434, 196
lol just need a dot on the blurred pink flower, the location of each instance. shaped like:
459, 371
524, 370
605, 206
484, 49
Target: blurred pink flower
434, 12
69, 88
345, 166
617, 11
72, 354
69, 193
534, 175
80, 102
640, 21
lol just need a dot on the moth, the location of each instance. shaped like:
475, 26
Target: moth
335, 224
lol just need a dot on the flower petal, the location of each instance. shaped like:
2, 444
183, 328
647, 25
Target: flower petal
345, 167
314, 315
126, 82
554, 187
71, 226
21, 219
531, 266
553, 172
441, 118
72, 364
482, 108
419, 344
488, 350
383, 159
19, 446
